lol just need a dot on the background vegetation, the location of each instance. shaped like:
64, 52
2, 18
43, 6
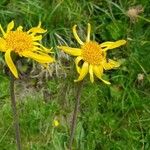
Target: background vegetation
112, 117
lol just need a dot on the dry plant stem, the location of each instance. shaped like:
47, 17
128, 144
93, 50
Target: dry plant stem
15, 114
75, 114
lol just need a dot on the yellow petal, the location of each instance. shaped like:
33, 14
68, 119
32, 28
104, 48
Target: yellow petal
117, 44
38, 46
77, 60
70, 50
88, 33
39, 25
91, 73
111, 64
38, 57
2, 45
83, 72
41, 52
35, 30
2, 30
19, 28
10, 26
106, 82
37, 38
43, 48
76, 35
105, 44
112, 45
98, 71
10, 63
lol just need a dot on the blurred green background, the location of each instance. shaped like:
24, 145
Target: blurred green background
114, 117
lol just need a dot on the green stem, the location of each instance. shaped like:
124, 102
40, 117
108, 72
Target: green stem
75, 113
148, 20
15, 114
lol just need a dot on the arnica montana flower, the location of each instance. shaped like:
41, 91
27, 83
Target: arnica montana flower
93, 56
24, 44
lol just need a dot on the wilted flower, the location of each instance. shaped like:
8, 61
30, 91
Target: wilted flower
133, 12
93, 55
23, 43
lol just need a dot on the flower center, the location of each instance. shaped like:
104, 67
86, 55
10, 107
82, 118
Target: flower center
92, 53
19, 41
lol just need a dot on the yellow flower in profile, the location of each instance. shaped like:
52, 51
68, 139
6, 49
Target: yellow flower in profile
92, 55
55, 123
25, 44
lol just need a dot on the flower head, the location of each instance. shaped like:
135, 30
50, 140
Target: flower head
23, 43
92, 55
55, 123
134, 12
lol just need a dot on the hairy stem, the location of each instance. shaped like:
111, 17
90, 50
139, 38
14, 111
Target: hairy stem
75, 114
15, 114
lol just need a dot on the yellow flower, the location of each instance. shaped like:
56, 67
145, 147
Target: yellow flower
24, 44
55, 123
92, 56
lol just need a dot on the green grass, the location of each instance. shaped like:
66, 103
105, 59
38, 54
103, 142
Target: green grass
112, 117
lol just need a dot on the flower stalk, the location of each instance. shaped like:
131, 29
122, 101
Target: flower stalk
14, 111
75, 114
